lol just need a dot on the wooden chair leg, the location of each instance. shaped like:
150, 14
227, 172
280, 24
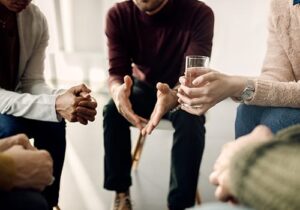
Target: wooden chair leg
198, 198
138, 151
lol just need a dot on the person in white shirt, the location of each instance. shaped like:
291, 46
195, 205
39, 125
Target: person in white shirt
27, 104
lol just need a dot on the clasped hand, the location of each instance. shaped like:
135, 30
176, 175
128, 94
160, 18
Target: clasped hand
33, 168
77, 105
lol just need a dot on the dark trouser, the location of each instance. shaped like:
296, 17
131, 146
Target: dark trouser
47, 135
276, 118
187, 149
23, 200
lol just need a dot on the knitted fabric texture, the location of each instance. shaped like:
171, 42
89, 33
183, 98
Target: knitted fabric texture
7, 172
266, 176
278, 85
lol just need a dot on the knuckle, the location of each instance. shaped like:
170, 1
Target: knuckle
188, 92
205, 92
45, 154
208, 100
73, 118
22, 137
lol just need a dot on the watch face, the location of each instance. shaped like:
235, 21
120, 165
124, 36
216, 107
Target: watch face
248, 94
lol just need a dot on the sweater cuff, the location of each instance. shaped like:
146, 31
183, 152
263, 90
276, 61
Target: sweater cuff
7, 172
262, 90
239, 170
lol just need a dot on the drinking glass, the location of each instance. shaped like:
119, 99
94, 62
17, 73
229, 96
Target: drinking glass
192, 64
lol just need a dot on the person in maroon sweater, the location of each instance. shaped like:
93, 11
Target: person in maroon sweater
147, 42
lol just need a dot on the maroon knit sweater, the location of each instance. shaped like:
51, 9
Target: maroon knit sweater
157, 44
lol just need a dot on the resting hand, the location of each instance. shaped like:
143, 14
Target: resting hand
67, 102
20, 139
209, 88
86, 109
33, 168
220, 175
166, 100
120, 95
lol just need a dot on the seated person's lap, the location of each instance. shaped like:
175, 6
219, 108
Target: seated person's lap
22, 200
276, 118
10, 125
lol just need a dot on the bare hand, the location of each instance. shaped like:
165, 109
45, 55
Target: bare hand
121, 94
20, 139
33, 168
86, 109
220, 175
166, 100
209, 88
67, 103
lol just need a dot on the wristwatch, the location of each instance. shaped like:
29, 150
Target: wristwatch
248, 92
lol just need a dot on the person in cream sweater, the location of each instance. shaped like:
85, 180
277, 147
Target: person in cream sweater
273, 98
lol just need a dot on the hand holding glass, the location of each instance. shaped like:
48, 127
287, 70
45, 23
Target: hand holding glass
192, 64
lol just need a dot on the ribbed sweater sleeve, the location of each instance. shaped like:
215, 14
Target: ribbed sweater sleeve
7, 172
277, 85
266, 176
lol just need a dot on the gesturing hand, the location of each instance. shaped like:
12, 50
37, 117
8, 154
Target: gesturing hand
220, 175
166, 100
33, 168
120, 95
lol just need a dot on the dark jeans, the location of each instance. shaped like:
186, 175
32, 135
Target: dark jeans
47, 135
23, 200
276, 118
187, 149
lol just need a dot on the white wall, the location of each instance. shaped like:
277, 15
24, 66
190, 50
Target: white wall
240, 35
240, 31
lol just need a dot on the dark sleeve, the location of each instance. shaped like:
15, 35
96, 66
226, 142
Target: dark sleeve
118, 52
203, 31
266, 176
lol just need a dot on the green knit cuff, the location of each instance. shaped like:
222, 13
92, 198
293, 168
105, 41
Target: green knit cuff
291, 133
266, 176
7, 172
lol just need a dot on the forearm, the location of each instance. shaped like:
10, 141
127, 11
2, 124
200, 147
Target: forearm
37, 107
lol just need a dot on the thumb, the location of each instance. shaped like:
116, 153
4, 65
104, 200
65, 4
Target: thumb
80, 88
163, 87
128, 82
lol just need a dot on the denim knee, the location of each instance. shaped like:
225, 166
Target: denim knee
10, 125
247, 118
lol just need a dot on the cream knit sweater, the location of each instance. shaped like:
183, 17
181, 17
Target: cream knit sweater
278, 84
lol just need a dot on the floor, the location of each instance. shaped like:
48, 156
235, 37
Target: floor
81, 187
